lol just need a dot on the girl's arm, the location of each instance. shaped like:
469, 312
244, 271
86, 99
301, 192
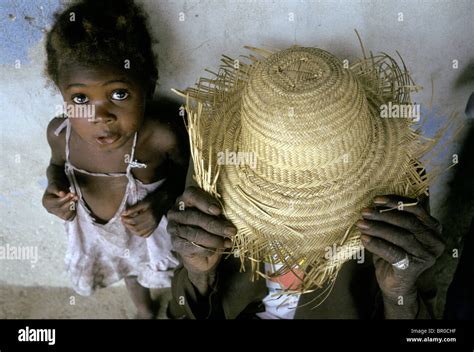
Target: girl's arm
55, 171
57, 198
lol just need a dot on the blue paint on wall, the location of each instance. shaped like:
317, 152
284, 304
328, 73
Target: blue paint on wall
22, 24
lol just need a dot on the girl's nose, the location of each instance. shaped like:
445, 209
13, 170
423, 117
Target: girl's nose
103, 115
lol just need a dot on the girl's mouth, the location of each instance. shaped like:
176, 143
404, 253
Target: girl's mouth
109, 139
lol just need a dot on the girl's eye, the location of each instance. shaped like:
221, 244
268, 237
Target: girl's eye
80, 99
120, 94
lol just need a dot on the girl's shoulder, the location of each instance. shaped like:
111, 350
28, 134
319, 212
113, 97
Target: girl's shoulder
157, 135
163, 129
57, 139
53, 126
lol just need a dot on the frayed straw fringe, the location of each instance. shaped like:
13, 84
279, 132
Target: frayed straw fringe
384, 80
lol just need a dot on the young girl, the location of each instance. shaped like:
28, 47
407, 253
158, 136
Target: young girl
116, 168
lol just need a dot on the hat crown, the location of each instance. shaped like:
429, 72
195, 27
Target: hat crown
303, 113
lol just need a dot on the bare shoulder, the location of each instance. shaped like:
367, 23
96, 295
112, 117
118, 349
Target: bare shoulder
160, 136
56, 142
53, 125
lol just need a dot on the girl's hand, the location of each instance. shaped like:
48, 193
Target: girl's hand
60, 202
402, 232
139, 219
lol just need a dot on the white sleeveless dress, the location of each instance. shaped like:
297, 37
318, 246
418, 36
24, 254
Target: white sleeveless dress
99, 255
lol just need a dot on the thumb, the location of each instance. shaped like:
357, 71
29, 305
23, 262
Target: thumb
61, 192
53, 188
135, 209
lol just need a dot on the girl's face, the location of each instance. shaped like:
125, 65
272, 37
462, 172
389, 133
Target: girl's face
105, 106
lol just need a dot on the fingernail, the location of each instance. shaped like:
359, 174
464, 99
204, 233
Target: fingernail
366, 212
362, 224
214, 209
365, 238
230, 231
227, 243
380, 200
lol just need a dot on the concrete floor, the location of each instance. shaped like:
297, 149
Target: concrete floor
21, 302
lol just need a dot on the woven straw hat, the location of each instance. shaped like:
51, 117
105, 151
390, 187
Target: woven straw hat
293, 145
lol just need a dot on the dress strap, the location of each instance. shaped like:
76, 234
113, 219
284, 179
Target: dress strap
68, 138
134, 144
64, 124
58, 130
134, 163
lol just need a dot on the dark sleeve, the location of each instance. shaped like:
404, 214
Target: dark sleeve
234, 296
188, 303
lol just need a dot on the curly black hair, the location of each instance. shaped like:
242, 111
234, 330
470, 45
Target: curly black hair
97, 33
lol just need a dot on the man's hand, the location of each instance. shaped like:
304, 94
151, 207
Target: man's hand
59, 201
391, 236
199, 235
140, 219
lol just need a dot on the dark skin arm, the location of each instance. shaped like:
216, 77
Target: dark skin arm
196, 218
144, 217
389, 236
57, 199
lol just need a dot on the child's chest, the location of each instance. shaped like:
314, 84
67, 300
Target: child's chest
103, 194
